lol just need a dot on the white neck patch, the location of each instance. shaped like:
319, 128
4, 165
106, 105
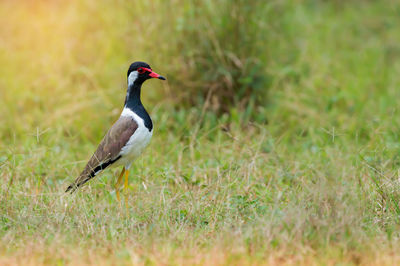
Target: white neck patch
132, 77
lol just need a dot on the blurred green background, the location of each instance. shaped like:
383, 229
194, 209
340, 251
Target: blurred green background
278, 126
325, 59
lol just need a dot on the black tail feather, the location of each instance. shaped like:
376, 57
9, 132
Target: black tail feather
71, 188
82, 179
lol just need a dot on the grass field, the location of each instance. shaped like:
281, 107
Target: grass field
305, 171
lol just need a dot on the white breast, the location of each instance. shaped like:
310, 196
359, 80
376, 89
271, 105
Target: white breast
137, 142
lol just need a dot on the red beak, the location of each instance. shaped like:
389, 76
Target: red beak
155, 75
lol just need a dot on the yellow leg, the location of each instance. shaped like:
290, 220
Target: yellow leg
126, 187
118, 184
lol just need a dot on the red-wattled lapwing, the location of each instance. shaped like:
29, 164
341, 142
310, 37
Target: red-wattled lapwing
128, 137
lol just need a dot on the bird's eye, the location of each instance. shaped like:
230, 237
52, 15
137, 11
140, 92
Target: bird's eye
141, 70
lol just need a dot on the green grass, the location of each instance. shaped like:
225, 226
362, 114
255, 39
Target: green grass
307, 173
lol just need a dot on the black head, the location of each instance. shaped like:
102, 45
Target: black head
140, 71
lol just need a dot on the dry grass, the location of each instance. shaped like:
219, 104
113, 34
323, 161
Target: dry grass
131, 253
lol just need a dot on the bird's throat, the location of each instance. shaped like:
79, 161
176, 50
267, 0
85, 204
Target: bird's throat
134, 103
132, 100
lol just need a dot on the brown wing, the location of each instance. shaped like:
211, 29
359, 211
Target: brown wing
108, 151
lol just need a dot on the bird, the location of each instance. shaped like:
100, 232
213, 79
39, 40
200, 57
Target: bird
128, 137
